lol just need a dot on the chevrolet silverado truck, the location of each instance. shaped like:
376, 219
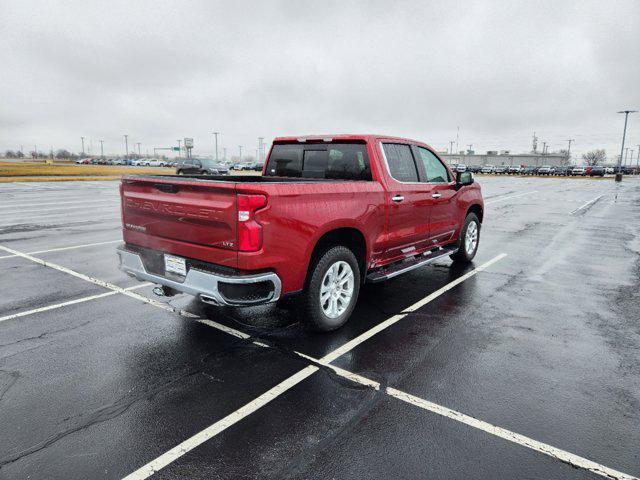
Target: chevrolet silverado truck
328, 214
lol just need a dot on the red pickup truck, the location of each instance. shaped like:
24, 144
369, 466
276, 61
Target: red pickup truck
328, 214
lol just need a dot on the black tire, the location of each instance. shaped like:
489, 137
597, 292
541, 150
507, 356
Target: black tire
313, 312
462, 255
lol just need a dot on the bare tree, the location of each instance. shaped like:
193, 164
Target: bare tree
594, 157
566, 156
62, 153
10, 154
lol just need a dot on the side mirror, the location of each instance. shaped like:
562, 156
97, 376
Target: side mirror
464, 178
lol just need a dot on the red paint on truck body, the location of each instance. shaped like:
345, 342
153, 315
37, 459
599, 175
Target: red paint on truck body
198, 218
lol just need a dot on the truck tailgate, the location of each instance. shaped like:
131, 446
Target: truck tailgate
161, 212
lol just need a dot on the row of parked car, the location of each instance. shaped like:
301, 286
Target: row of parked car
571, 170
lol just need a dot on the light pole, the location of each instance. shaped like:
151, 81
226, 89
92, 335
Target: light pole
569, 148
240, 148
179, 149
82, 138
624, 136
638, 157
626, 153
139, 154
260, 149
224, 153
451, 142
215, 134
126, 147
101, 148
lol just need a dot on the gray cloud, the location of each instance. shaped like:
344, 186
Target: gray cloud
160, 71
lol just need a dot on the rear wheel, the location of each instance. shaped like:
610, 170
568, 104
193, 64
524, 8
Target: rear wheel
332, 291
469, 240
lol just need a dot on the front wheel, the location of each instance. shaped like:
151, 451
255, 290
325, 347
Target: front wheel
332, 291
469, 240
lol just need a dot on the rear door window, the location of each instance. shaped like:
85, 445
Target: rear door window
342, 161
402, 166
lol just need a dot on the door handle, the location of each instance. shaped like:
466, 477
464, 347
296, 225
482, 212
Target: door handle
436, 195
398, 198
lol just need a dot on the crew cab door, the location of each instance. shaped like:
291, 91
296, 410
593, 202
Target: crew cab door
409, 203
441, 188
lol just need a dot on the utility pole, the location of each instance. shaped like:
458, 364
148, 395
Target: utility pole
451, 142
569, 147
626, 153
240, 148
82, 138
458, 140
260, 149
139, 154
126, 146
535, 143
544, 147
179, 149
215, 134
624, 137
101, 148
224, 153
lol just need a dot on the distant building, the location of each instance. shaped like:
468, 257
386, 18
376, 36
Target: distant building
492, 157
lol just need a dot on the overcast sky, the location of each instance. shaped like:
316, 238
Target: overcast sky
160, 71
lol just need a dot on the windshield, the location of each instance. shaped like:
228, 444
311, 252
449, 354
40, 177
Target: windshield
212, 164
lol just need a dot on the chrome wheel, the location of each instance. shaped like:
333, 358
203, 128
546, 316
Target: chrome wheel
471, 238
336, 289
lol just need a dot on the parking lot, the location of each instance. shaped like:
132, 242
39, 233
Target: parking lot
524, 365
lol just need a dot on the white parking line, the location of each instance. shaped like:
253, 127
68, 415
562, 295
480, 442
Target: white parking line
211, 431
62, 208
73, 247
509, 198
84, 201
587, 204
231, 419
70, 302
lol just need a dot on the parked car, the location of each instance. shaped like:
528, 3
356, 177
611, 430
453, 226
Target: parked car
545, 170
578, 170
156, 162
561, 170
514, 169
501, 169
608, 170
195, 166
461, 167
82, 161
351, 224
596, 171
140, 162
256, 167
238, 166
487, 169
529, 170
474, 168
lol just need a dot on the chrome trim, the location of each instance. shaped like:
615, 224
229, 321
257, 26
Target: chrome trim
398, 198
201, 284
428, 259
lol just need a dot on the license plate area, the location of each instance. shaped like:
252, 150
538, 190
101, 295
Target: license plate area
173, 264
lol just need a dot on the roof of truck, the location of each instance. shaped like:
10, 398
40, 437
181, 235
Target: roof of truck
342, 136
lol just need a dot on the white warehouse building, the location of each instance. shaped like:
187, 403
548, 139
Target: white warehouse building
504, 158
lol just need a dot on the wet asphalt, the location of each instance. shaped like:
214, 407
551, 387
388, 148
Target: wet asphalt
544, 343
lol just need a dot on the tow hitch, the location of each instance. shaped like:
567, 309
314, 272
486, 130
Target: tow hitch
164, 291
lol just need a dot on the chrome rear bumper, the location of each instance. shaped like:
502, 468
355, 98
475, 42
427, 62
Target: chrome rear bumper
205, 285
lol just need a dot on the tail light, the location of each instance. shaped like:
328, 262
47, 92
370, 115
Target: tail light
249, 231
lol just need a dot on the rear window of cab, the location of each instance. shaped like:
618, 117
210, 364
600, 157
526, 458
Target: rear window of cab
340, 161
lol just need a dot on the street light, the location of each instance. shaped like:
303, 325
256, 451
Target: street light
126, 146
215, 134
240, 148
179, 149
101, 148
624, 136
82, 138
